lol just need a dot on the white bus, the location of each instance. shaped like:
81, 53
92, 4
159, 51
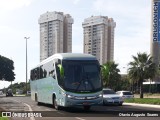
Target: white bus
67, 79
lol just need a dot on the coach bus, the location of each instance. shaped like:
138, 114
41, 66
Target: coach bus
67, 79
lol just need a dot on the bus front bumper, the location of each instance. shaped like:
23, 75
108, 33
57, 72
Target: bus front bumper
75, 102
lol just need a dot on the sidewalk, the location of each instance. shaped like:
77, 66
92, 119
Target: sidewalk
148, 96
142, 105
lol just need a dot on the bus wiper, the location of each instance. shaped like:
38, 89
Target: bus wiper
79, 85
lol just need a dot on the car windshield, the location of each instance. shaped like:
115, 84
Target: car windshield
127, 93
108, 92
81, 76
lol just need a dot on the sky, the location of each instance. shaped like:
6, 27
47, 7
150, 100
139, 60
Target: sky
19, 19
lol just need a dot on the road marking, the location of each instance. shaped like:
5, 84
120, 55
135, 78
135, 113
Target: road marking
61, 113
112, 109
38, 107
30, 109
48, 109
142, 105
79, 118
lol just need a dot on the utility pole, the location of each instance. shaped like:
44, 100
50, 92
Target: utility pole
26, 62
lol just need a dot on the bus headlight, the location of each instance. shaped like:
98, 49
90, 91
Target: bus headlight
70, 96
64, 94
100, 95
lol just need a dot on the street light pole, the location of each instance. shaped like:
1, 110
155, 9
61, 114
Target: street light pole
26, 62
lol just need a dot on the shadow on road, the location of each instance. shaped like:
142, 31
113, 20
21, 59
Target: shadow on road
79, 111
76, 112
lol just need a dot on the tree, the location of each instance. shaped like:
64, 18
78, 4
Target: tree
142, 68
110, 75
124, 83
20, 86
6, 69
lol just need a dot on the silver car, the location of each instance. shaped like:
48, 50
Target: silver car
125, 94
110, 97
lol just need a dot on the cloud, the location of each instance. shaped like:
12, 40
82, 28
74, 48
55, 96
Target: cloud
76, 1
132, 32
54, 0
13, 4
121, 8
132, 18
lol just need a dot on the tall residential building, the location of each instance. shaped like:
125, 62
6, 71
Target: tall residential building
99, 37
55, 33
155, 33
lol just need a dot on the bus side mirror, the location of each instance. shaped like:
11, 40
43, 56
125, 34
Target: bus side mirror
61, 71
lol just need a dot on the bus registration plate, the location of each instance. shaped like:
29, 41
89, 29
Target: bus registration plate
86, 103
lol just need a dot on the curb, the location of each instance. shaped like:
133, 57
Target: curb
142, 105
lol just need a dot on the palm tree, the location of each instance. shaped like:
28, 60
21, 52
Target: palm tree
152, 74
110, 75
142, 68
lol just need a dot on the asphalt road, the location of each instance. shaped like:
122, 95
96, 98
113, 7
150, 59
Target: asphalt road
23, 104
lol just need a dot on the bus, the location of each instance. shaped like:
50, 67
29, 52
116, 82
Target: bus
67, 79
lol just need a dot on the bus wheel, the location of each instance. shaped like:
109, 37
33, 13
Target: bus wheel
36, 97
57, 107
87, 107
39, 103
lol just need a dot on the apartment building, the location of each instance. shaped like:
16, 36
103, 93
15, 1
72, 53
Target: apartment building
98, 34
55, 33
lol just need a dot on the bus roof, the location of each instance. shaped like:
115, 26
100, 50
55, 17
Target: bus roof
69, 56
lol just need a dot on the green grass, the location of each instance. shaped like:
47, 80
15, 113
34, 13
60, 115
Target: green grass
4, 118
155, 101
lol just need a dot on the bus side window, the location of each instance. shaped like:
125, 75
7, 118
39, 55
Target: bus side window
51, 73
57, 71
32, 75
38, 71
45, 73
41, 72
54, 76
35, 74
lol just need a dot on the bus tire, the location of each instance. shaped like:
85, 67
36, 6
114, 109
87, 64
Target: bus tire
39, 103
87, 107
36, 97
57, 107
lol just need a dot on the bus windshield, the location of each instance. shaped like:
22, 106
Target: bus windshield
81, 76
